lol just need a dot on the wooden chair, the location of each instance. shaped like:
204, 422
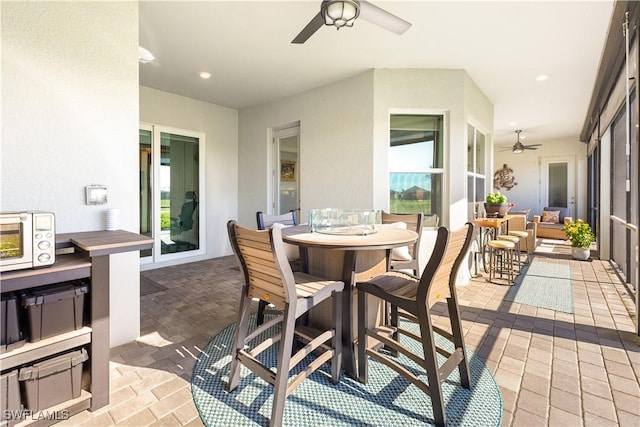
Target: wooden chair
412, 298
265, 221
410, 261
268, 276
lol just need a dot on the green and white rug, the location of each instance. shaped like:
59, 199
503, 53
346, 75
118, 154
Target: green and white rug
387, 400
543, 283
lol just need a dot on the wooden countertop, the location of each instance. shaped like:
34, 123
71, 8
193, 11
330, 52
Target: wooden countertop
491, 222
98, 243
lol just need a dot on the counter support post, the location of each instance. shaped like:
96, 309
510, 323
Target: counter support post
100, 326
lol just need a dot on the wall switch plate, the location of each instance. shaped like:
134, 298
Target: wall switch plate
96, 194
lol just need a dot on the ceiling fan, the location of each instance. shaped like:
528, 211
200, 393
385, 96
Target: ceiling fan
519, 147
342, 13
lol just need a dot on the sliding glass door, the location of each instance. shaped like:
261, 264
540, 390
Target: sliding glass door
171, 189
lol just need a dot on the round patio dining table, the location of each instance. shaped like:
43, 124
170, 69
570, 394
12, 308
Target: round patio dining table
351, 259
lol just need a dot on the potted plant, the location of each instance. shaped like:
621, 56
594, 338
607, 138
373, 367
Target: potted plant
581, 236
496, 203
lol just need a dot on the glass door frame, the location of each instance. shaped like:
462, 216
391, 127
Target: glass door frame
571, 181
157, 255
278, 134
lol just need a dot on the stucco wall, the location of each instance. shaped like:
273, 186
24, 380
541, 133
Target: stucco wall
70, 119
336, 166
220, 126
344, 139
448, 92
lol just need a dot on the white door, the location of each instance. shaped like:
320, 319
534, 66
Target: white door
558, 183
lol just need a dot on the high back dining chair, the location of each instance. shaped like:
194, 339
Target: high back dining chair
265, 221
412, 298
268, 276
400, 258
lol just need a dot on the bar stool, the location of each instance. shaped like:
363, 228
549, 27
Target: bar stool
522, 235
501, 259
516, 241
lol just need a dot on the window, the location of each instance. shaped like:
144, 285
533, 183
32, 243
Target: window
416, 174
476, 149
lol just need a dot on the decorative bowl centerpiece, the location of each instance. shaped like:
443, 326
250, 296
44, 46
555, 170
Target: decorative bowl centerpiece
355, 222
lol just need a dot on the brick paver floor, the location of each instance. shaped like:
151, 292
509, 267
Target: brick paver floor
553, 368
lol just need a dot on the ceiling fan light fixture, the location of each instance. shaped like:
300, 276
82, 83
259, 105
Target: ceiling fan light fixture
518, 148
340, 13
144, 55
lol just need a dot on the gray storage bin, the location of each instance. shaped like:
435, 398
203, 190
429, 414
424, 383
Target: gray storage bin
10, 404
11, 334
55, 309
53, 381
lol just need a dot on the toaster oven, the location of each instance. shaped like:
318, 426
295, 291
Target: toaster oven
27, 240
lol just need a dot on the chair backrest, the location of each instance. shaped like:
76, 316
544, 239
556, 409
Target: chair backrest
187, 210
438, 279
431, 220
263, 263
265, 221
518, 222
414, 222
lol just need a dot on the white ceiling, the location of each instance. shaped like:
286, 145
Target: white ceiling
503, 45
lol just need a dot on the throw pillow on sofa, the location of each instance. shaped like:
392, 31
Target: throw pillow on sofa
550, 216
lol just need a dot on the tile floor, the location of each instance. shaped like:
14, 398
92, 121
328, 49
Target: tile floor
553, 368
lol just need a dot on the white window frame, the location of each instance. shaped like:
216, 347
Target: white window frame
445, 154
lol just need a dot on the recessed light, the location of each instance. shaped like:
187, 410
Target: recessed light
542, 77
144, 55
512, 124
205, 75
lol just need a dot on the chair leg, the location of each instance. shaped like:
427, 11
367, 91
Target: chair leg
458, 342
511, 265
238, 342
394, 322
284, 361
363, 369
431, 368
262, 305
336, 362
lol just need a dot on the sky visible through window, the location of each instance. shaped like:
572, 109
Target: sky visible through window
408, 165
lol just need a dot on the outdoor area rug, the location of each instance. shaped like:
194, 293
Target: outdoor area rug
543, 283
388, 400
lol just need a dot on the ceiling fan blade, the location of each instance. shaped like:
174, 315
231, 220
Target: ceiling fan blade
530, 147
380, 17
313, 26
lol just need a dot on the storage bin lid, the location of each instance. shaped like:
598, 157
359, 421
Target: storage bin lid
53, 366
54, 293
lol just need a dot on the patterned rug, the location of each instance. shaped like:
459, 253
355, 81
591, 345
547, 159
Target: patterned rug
388, 400
543, 283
